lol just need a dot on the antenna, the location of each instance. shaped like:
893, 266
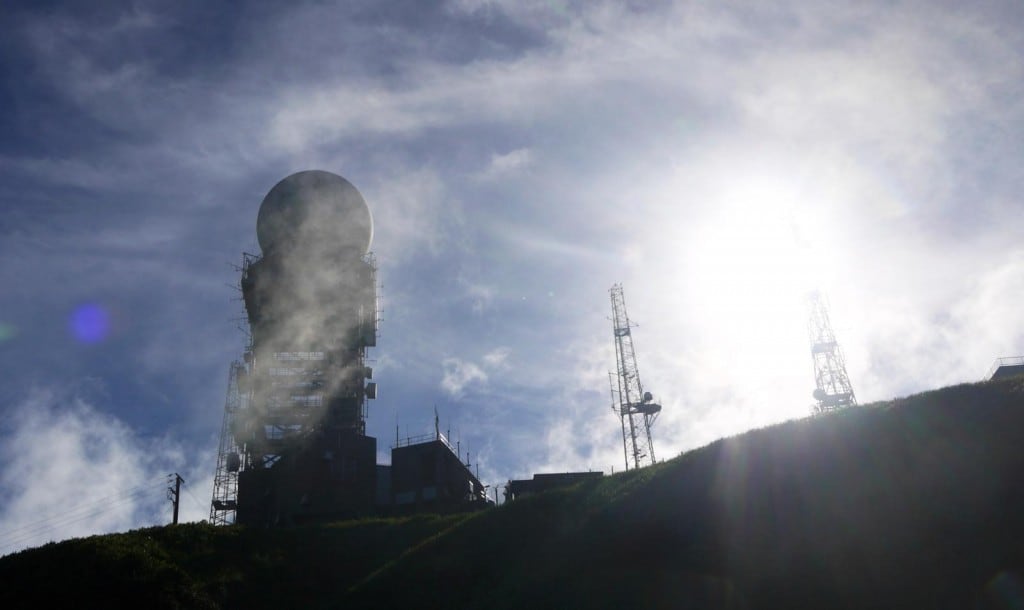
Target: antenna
833, 390
634, 406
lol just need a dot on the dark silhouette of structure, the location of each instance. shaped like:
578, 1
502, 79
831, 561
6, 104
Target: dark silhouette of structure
522, 488
1006, 367
427, 475
636, 408
293, 445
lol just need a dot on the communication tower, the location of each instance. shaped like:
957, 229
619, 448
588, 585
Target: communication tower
833, 390
636, 408
293, 445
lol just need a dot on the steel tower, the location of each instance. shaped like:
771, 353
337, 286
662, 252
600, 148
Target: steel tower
635, 407
293, 446
833, 390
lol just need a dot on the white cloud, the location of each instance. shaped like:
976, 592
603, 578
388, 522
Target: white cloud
458, 374
503, 165
410, 213
496, 358
69, 470
537, 86
923, 338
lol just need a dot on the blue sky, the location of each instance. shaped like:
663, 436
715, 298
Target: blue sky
519, 158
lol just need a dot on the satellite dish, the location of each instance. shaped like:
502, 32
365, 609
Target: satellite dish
648, 408
648, 397
314, 209
820, 394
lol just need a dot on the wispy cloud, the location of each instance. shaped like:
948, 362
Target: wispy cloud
497, 357
71, 470
461, 374
412, 214
507, 164
458, 374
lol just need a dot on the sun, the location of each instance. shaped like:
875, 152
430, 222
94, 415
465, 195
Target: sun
748, 271
751, 259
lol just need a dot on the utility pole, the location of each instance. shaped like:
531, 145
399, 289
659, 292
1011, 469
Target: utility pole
174, 495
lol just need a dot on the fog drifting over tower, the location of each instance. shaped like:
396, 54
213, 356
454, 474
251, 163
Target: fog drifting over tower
294, 443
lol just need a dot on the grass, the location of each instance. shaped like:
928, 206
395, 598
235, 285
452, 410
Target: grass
200, 566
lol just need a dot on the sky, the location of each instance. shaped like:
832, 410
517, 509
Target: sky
718, 159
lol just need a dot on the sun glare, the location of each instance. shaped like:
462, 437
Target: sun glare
751, 261
747, 274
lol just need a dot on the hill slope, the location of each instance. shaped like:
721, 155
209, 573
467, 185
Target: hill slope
915, 503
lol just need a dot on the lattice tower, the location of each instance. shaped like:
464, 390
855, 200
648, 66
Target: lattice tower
833, 390
635, 407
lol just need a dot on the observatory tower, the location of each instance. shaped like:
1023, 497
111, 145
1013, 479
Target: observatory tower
293, 445
833, 390
635, 407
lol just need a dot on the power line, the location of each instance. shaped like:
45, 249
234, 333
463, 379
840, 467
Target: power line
198, 502
30, 537
100, 501
27, 532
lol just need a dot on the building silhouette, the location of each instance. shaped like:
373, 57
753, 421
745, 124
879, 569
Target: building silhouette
293, 445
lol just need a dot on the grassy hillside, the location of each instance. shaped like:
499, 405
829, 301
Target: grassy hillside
200, 566
917, 503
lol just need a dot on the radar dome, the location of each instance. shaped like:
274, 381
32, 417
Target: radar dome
316, 209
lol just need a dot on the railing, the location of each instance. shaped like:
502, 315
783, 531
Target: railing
1001, 362
424, 438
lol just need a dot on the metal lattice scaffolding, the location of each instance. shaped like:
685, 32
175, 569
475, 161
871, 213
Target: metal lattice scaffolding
635, 407
290, 394
225, 480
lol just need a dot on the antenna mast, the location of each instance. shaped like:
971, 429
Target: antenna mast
634, 406
833, 390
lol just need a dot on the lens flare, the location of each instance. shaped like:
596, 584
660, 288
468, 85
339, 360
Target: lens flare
7, 331
1007, 589
90, 323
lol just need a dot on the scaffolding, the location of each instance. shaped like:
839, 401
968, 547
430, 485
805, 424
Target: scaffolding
285, 393
636, 408
225, 481
230, 454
